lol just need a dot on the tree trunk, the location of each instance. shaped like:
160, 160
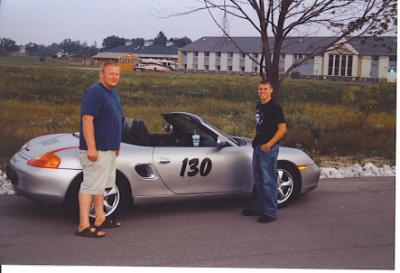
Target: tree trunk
272, 76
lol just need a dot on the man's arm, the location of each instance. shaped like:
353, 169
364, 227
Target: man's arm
278, 135
88, 133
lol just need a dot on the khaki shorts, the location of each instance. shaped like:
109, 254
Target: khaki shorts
100, 174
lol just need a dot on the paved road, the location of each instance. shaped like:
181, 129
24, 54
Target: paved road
344, 223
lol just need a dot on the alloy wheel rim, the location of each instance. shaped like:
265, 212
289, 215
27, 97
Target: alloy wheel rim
285, 185
111, 200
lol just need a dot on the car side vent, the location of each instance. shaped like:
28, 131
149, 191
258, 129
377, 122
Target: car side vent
145, 171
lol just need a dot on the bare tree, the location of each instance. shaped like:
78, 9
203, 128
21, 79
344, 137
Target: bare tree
277, 20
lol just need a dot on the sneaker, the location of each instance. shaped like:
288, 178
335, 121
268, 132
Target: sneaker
265, 219
249, 212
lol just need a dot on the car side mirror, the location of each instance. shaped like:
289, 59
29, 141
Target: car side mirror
221, 143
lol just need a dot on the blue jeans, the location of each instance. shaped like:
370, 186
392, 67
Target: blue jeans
266, 179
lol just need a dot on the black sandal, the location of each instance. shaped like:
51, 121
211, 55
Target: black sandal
90, 232
109, 223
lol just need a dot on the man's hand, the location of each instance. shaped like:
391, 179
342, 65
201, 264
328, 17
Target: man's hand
266, 147
92, 154
278, 135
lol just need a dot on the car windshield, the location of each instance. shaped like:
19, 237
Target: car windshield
221, 133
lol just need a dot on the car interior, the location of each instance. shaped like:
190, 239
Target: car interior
178, 132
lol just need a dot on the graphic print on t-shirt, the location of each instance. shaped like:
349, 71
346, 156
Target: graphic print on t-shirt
259, 117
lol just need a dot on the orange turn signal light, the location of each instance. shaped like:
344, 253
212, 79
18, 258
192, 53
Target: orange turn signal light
302, 168
47, 160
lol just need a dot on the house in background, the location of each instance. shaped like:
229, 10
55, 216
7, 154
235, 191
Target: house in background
151, 57
367, 59
128, 61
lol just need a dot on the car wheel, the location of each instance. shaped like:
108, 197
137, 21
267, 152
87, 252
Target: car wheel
115, 199
289, 183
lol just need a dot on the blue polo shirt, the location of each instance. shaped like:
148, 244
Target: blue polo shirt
105, 106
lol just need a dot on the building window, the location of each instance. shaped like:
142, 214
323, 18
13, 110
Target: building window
244, 55
196, 53
349, 65
218, 67
242, 68
343, 65
330, 65
392, 64
230, 68
340, 65
298, 56
206, 54
185, 66
231, 54
255, 69
206, 67
375, 58
392, 69
337, 62
218, 54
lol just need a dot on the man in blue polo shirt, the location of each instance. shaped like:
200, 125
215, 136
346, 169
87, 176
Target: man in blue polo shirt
99, 144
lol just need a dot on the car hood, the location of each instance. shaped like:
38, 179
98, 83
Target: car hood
49, 143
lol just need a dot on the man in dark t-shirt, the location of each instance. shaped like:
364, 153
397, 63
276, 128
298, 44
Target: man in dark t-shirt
270, 128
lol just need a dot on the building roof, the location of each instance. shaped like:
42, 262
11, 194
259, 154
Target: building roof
384, 45
290, 45
146, 50
110, 55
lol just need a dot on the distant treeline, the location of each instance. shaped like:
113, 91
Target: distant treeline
8, 46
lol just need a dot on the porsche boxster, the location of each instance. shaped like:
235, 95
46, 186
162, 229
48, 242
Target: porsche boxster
190, 159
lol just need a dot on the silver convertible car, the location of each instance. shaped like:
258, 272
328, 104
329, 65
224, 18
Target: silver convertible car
191, 159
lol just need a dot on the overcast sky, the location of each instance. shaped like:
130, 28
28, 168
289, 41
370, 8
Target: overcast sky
48, 21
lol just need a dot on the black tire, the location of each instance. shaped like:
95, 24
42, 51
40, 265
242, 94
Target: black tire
289, 183
115, 199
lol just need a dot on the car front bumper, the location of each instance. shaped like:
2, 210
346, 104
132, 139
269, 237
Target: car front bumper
309, 177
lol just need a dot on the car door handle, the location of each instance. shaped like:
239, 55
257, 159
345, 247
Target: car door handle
163, 161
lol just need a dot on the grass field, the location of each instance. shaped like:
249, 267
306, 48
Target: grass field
324, 117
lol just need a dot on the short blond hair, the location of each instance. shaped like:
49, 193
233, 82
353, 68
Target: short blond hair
108, 63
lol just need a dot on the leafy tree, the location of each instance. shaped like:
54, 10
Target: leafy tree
53, 49
87, 51
113, 41
70, 46
180, 42
32, 49
8, 46
277, 20
161, 39
137, 42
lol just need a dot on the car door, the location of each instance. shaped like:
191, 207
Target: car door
194, 164
191, 170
